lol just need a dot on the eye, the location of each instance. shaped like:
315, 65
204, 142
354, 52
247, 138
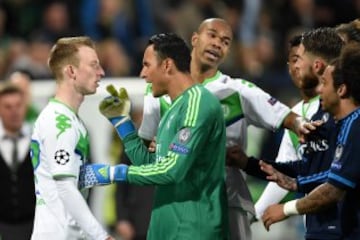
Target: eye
226, 42
211, 34
95, 65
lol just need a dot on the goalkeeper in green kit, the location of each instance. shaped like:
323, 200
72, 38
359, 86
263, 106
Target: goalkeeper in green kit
189, 164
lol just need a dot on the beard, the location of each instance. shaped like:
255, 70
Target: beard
309, 80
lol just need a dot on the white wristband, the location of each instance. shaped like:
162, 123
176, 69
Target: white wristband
111, 173
290, 208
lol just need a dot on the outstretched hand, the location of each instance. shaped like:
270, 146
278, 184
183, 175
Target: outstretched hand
117, 104
281, 179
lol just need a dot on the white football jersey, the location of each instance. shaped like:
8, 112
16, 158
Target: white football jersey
59, 146
243, 104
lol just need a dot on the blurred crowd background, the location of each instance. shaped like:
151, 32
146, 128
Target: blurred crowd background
121, 28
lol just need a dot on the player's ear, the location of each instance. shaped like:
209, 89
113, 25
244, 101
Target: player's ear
168, 64
194, 38
69, 71
319, 67
342, 91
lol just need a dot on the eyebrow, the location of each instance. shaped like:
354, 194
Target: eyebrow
215, 31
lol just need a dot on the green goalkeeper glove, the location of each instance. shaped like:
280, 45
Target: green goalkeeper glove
116, 108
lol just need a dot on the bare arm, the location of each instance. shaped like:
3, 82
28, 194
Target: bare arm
319, 199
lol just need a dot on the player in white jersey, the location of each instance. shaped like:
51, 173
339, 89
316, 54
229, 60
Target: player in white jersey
243, 104
290, 147
60, 145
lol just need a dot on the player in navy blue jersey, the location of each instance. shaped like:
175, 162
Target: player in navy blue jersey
313, 56
340, 93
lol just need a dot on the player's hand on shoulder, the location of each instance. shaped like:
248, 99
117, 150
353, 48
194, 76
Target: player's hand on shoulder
304, 127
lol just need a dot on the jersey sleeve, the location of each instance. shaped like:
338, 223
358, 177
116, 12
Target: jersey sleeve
345, 168
151, 115
137, 151
260, 109
194, 132
60, 143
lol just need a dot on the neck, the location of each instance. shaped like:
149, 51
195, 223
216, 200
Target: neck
67, 95
308, 94
179, 84
12, 132
200, 72
345, 107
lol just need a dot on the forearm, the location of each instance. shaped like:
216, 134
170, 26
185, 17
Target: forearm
136, 150
319, 199
77, 207
252, 167
293, 122
162, 173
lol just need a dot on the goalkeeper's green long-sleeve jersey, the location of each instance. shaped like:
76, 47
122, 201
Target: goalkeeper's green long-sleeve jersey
187, 169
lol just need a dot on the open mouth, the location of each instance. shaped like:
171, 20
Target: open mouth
213, 55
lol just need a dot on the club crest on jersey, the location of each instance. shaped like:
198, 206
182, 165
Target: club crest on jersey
184, 135
325, 117
62, 157
272, 101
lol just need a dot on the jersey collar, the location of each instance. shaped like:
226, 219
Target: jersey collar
57, 101
213, 78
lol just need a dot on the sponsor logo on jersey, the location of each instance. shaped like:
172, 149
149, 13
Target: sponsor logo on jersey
63, 122
184, 135
62, 157
272, 101
317, 145
179, 148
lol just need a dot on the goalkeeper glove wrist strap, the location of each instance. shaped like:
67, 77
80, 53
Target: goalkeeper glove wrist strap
123, 125
118, 173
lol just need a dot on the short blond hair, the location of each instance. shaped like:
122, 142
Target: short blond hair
65, 52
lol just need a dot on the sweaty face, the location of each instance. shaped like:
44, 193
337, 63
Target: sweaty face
211, 43
153, 72
303, 67
12, 111
327, 92
89, 72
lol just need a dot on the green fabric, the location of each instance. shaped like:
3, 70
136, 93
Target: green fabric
190, 199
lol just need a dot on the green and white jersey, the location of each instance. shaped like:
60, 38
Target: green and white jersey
59, 146
243, 104
187, 169
290, 147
